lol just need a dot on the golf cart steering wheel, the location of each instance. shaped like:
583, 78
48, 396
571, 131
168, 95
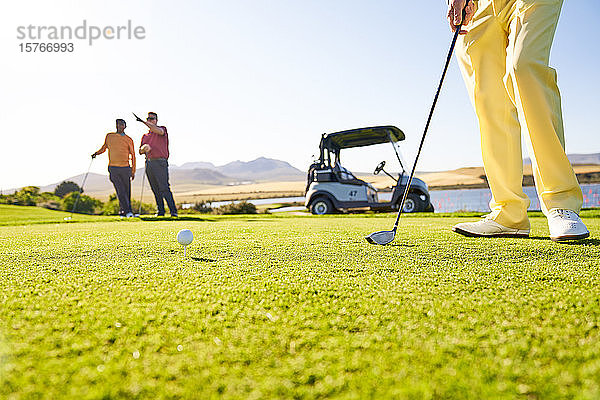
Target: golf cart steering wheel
379, 167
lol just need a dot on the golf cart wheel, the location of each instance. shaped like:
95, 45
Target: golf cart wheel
413, 203
321, 206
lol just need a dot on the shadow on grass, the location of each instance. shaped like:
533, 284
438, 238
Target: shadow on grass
202, 259
183, 218
583, 242
538, 238
236, 217
180, 251
400, 245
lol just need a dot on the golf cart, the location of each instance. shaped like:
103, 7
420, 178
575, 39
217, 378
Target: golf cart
331, 187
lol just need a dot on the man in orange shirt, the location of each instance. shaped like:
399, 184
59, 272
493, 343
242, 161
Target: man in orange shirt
121, 165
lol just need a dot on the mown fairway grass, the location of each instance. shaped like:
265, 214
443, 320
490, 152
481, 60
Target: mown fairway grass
295, 307
20, 215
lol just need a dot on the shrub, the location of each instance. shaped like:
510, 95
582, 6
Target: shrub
111, 207
31, 196
243, 207
146, 207
203, 207
27, 196
85, 205
5, 199
50, 204
65, 188
48, 196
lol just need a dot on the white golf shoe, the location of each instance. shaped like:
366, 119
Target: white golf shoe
487, 227
566, 225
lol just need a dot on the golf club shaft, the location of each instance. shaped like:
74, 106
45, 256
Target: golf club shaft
437, 95
142, 192
81, 188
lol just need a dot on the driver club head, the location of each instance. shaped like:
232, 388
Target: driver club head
382, 237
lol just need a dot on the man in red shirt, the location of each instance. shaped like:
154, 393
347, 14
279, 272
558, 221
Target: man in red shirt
121, 165
155, 145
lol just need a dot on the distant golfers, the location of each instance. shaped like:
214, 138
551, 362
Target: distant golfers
503, 55
121, 165
155, 145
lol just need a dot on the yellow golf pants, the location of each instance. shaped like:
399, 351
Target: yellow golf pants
504, 61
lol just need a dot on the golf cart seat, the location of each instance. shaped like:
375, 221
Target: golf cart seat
346, 177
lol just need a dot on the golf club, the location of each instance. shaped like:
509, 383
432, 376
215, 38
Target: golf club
386, 237
80, 191
142, 192
144, 175
138, 118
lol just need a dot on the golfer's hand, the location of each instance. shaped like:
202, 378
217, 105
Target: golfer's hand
145, 149
455, 14
132, 175
94, 155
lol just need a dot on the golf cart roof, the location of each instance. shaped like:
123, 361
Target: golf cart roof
362, 137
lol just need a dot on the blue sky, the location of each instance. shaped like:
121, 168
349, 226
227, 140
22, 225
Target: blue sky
239, 79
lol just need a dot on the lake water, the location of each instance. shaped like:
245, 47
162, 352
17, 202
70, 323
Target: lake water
478, 199
453, 200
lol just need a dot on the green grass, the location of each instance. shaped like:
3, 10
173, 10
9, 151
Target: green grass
24, 215
295, 307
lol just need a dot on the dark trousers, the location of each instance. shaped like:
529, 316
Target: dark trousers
121, 180
157, 171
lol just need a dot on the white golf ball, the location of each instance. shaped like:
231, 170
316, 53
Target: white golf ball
185, 237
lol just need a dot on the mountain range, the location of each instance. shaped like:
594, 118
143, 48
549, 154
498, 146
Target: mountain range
261, 169
577, 159
195, 175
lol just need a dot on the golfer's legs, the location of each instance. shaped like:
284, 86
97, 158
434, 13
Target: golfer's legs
127, 189
482, 59
162, 177
532, 28
114, 178
119, 176
152, 179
